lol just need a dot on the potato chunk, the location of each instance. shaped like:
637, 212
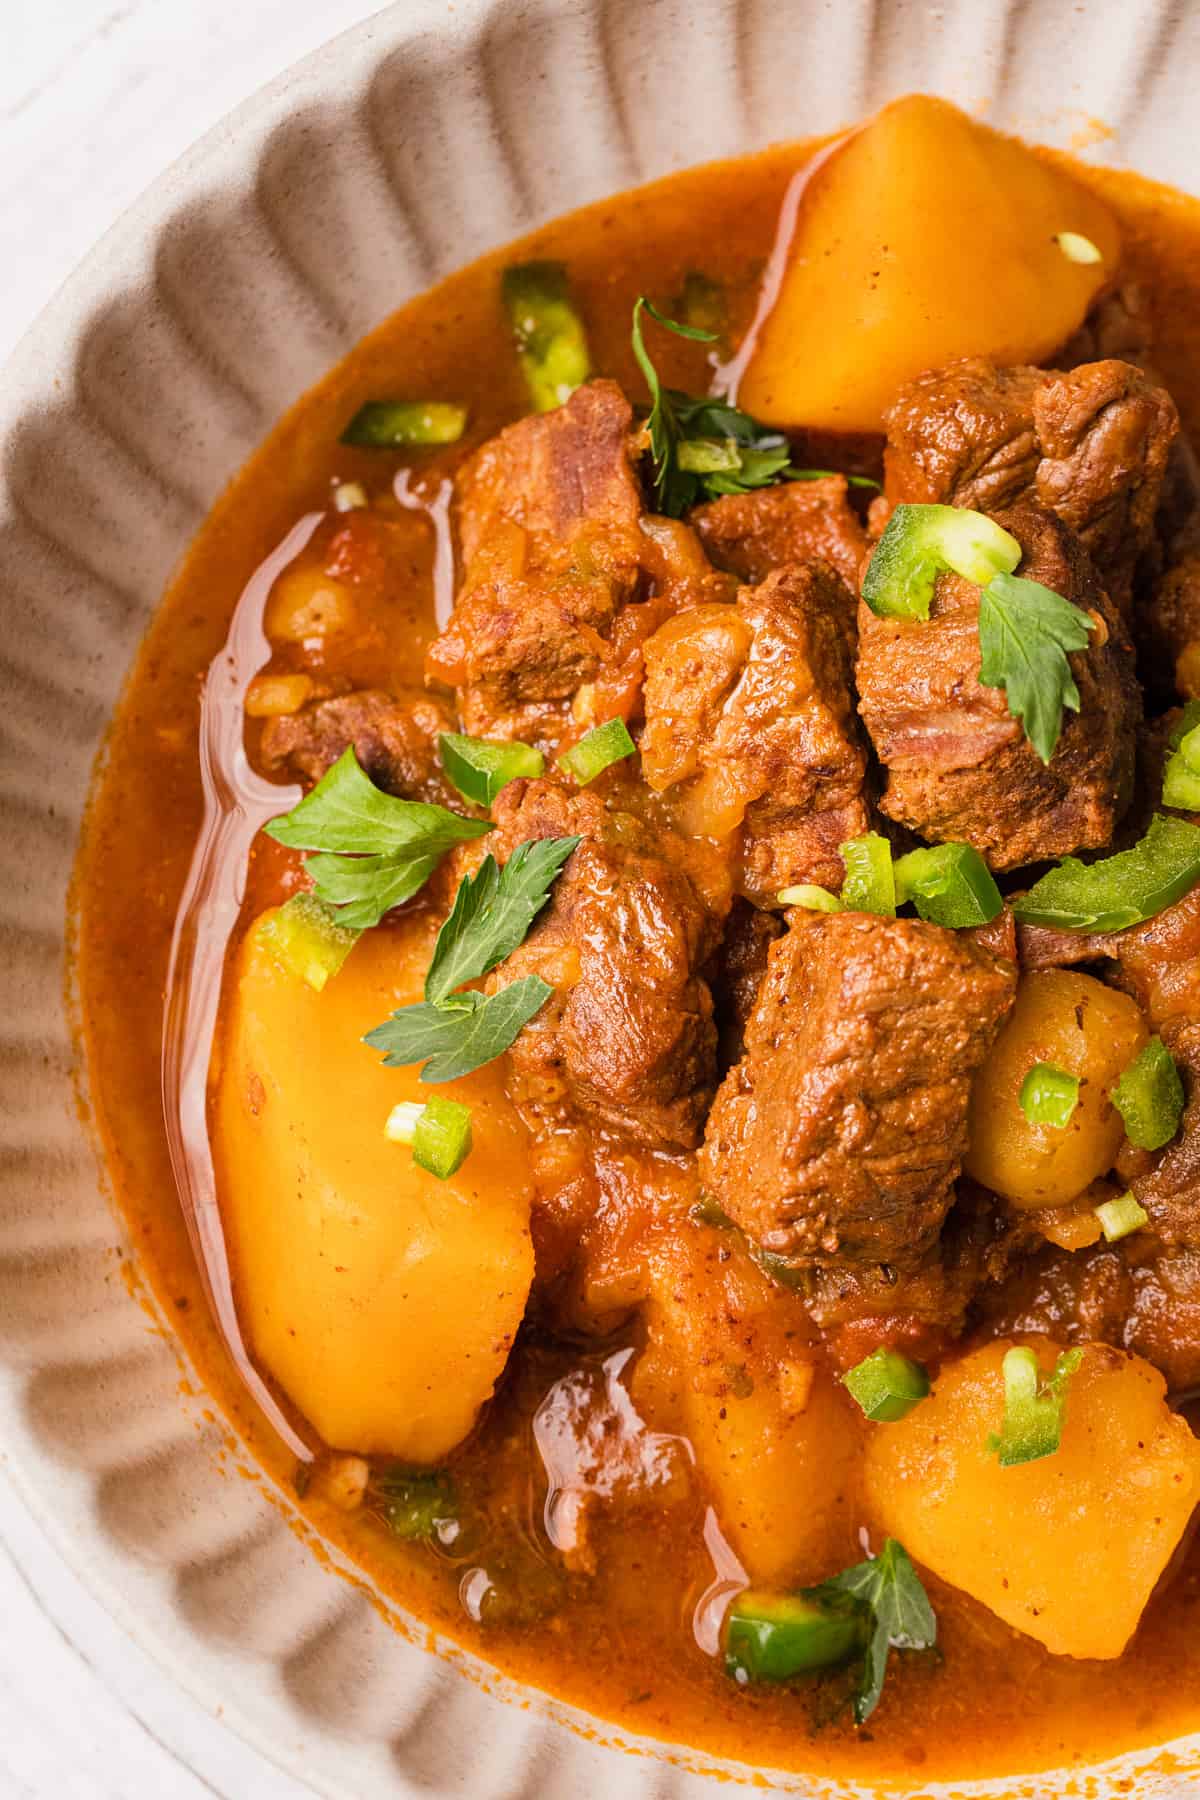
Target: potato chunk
925, 237
1068, 1548
731, 1364
382, 1300
1087, 1030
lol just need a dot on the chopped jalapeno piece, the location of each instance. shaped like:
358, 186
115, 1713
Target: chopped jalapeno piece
305, 938
919, 543
480, 769
816, 899
600, 747
887, 1385
1034, 1410
1119, 1217
393, 424
771, 1637
1120, 890
950, 884
870, 884
551, 341
1149, 1097
1181, 772
439, 1132
416, 1503
1049, 1096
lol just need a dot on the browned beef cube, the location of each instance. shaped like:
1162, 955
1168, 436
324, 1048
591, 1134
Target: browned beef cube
799, 521
841, 1132
750, 721
394, 738
740, 968
627, 1041
959, 766
1092, 444
549, 523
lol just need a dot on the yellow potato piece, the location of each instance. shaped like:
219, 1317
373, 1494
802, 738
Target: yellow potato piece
382, 1300
1067, 1549
926, 237
1084, 1028
730, 1364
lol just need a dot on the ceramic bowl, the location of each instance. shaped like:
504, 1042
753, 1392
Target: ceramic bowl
405, 148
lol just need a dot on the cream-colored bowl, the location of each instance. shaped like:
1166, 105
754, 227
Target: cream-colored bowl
407, 147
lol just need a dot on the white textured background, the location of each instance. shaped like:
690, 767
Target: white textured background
97, 97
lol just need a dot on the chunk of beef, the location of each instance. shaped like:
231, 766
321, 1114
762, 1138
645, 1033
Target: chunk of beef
1169, 629
741, 966
1141, 1296
750, 725
841, 1132
1090, 443
799, 521
548, 520
959, 766
627, 1041
394, 737
921, 1310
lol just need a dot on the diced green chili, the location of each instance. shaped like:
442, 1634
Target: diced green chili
1120, 890
394, 424
551, 340
1049, 1096
416, 1504
814, 899
1181, 772
1149, 1097
887, 1385
305, 938
919, 543
481, 769
597, 750
950, 884
771, 1637
439, 1132
1034, 1410
870, 884
1119, 1217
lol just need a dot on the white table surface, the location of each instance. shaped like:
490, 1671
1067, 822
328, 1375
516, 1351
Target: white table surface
97, 97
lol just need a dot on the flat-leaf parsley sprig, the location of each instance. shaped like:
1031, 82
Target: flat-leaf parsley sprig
455, 1029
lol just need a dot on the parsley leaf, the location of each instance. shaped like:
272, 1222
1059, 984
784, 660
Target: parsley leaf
902, 1618
1025, 632
376, 850
492, 912
454, 1030
452, 1040
703, 447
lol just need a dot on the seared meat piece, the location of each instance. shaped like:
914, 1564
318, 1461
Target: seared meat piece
1170, 626
751, 707
394, 738
800, 521
741, 965
627, 1041
548, 518
1141, 1296
924, 1309
1091, 443
959, 766
841, 1132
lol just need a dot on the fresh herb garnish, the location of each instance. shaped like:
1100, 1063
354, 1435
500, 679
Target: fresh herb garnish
1025, 633
703, 447
376, 850
901, 1616
453, 1031
481, 769
1034, 1409
1126, 889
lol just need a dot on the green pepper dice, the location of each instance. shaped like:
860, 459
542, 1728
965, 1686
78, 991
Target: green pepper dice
950, 884
1149, 1097
393, 424
305, 938
771, 1637
870, 884
887, 1385
919, 543
551, 341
